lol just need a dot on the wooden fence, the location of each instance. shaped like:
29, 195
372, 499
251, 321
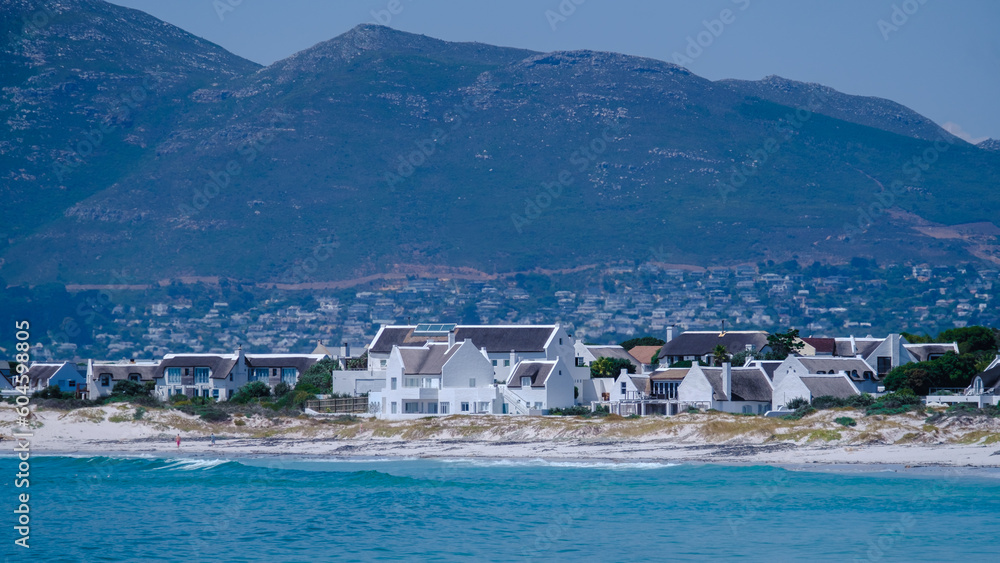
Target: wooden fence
339, 404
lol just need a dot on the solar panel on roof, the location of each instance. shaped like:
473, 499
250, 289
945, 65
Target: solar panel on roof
434, 328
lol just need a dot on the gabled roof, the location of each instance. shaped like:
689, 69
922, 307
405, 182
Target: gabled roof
700, 343
643, 354
641, 383
922, 352
749, 384
495, 338
833, 386
990, 377
39, 373
220, 366
120, 371
538, 371
613, 352
672, 374
864, 345
822, 345
769, 367
301, 362
426, 360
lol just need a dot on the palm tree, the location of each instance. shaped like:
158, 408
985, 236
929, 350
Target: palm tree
720, 354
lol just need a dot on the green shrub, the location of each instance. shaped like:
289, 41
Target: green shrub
796, 403
800, 412
251, 391
633, 416
139, 412
895, 403
318, 378
577, 410
178, 397
846, 421
53, 392
214, 415
129, 389
282, 389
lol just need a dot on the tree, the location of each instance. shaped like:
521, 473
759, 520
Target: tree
610, 367
319, 377
720, 354
917, 338
783, 344
971, 338
251, 391
950, 370
642, 341
361, 362
129, 389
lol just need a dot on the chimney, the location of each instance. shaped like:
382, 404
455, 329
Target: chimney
671, 332
513, 359
451, 338
345, 350
854, 346
727, 380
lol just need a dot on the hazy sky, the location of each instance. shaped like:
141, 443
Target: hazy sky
940, 58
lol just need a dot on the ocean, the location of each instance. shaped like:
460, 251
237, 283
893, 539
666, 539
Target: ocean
278, 509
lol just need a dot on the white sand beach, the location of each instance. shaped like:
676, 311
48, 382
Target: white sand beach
902, 442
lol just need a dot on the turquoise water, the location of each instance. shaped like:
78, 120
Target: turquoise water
107, 509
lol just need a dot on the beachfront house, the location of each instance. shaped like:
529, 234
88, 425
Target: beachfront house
279, 368
860, 372
503, 345
64, 375
535, 386
201, 375
809, 386
590, 390
697, 345
745, 390
986, 385
102, 376
437, 379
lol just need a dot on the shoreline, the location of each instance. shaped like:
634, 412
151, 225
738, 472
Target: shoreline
794, 458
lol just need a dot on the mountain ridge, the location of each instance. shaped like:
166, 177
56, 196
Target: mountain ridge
385, 148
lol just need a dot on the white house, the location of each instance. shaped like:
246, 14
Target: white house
699, 345
505, 345
860, 372
540, 385
594, 389
64, 376
728, 389
437, 379
809, 386
986, 385
102, 376
279, 368
201, 375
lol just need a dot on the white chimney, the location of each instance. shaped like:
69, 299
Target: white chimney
451, 338
345, 350
513, 359
854, 346
727, 380
671, 332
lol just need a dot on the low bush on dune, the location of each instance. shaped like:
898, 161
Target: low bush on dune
846, 421
895, 403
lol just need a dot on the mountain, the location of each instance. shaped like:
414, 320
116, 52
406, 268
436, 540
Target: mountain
383, 151
990, 144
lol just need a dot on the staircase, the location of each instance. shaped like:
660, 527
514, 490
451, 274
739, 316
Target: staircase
517, 405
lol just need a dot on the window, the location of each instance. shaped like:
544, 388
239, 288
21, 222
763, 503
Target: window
472, 382
560, 341
624, 387
72, 383
259, 374
204, 393
174, 375
381, 364
525, 381
201, 376
538, 405
747, 409
868, 375
465, 407
432, 408
579, 362
392, 383
494, 363
105, 379
134, 377
411, 407
444, 408
411, 382
977, 386
289, 375
215, 393
392, 407
484, 406
884, 365
506, 363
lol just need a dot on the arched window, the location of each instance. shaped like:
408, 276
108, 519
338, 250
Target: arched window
977, 386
